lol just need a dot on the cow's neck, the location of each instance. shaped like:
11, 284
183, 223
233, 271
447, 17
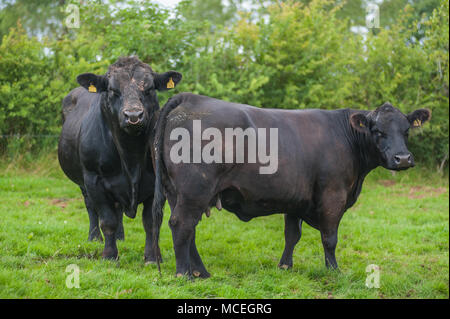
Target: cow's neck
133, 153
152, 127
365, 151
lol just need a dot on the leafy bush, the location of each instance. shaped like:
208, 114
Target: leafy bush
28, 90
288, 55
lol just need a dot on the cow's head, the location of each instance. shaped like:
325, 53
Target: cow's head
128, 92
388, 128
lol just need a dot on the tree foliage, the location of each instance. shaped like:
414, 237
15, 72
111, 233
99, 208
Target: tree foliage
279, 54
38, 18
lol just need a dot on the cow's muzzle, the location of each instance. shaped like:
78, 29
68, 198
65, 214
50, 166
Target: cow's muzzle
403, 161
133, 116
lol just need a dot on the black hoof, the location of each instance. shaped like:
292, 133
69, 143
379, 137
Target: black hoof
333, 268
110, 255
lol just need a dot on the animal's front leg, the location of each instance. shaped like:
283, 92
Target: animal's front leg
197, 267
329, 241
331, 209
120, 233
147, 220
292, 234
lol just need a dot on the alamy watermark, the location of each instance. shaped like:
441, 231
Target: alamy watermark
373, 276
225, 150
372, 16
73, 279
73, 18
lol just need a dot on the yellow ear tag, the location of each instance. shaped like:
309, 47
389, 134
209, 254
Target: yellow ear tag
417, 123
360, 124
92, 89
170, 84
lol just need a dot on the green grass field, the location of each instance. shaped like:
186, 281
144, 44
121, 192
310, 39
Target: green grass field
400, 223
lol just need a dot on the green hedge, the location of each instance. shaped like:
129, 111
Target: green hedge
292, 56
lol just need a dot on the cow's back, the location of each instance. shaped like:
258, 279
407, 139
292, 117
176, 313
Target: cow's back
310, 138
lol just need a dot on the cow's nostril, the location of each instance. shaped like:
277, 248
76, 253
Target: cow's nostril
403, 160
134, 117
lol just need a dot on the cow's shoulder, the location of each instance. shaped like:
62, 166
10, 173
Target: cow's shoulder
190, 107
96, 144
71, 101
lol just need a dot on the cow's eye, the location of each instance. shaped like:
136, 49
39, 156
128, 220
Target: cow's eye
148, 91
378, 133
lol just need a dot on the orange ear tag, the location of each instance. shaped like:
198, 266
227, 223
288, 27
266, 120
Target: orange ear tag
92, 89
170, 84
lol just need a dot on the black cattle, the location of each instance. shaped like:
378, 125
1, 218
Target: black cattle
107, 123
323, 158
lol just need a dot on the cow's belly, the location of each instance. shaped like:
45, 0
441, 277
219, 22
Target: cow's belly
119, 188
233, 201
245, 211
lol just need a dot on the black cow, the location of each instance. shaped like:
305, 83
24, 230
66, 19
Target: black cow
323, 158
103, 148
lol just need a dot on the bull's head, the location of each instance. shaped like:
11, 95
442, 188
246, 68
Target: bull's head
128, 92
388, 128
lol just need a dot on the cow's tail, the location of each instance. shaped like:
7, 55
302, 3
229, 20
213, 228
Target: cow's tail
159, 198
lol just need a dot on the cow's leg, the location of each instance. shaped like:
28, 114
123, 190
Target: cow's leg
107, 212
292, 234
329, 242
182, 222
198, 269
147, 221
94, 229
120, 233
331, 210
109, 222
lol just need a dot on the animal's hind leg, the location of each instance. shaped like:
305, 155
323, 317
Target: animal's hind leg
292, 234
94, 228
182, 222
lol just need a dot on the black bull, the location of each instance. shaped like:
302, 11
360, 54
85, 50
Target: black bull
323, 158
103, 147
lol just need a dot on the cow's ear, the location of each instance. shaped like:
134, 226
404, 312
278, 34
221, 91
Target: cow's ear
92, 82
360, 122
418, 117
167, 80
